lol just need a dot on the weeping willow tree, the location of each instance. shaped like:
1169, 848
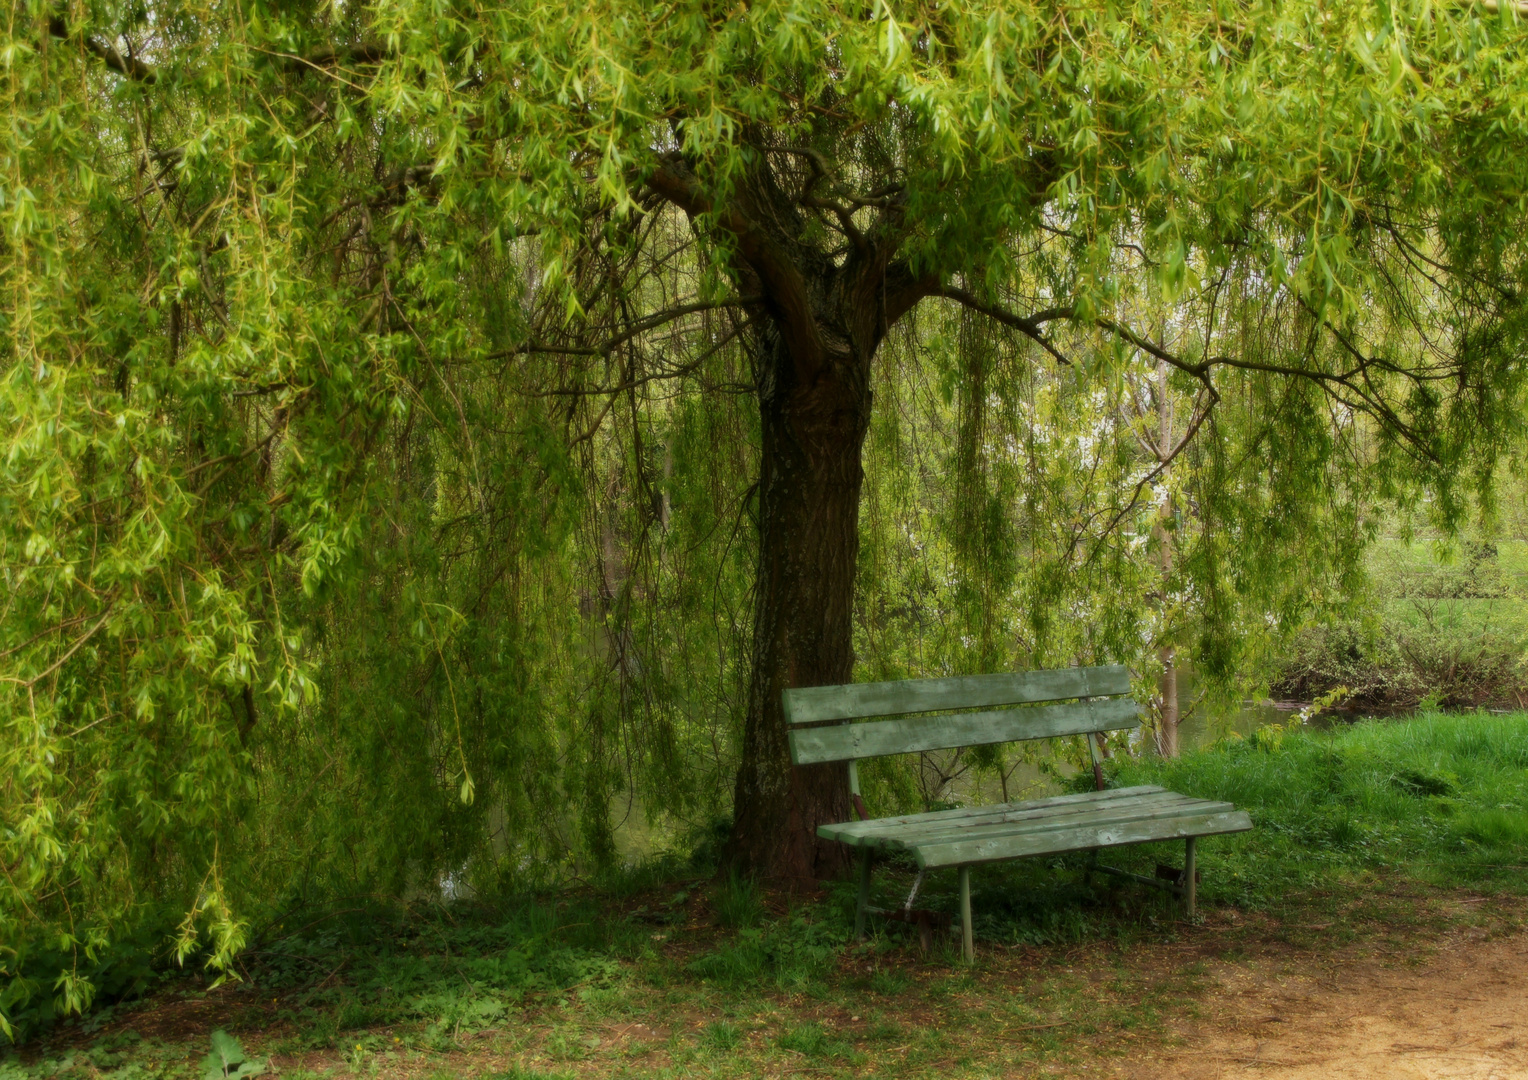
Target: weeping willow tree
423, 419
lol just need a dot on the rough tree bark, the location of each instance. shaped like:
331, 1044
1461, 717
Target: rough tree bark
821, 317
809, 492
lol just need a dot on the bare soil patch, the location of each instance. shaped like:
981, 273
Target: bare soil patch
1460, 1014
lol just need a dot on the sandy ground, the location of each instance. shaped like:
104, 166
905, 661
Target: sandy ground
1463, 1013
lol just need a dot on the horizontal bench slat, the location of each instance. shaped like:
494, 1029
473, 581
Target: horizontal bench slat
858, 700
1081, 838
1083, 797
846, 741
1040, 826
1011, 814
918, 833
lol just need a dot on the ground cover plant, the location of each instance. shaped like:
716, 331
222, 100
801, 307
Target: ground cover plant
1373, 835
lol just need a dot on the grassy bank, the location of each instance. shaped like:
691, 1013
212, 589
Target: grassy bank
1363, 834
1436, 799
1440, 631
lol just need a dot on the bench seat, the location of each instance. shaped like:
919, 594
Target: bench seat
1094, 819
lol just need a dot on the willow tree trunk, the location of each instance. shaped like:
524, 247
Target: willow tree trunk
809, 494
819, 310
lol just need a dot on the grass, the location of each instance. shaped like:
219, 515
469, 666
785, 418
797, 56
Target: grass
1438, 799
1365, 837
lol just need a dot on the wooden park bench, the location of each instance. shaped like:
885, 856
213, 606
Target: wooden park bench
829, 724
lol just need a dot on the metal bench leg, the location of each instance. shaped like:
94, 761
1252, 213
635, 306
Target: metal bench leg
1188, 876
1087, 871
863, 905
967, 949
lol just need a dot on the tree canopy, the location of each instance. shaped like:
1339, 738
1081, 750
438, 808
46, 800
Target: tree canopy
429, 425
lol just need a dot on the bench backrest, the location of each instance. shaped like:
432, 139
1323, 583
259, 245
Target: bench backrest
1093, 695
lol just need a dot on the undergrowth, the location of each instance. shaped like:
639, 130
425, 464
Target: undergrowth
1371, 810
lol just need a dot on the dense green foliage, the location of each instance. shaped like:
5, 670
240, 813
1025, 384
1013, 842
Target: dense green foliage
375, 496
1443, 628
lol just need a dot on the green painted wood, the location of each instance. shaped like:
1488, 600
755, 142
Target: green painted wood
1035, 804
907, 837
849, 741
1096, 818
1016, 811
995, 849
915, 830
860, 700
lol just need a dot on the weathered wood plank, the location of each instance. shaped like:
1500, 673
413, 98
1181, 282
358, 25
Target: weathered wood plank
912, 836
922, 832
857, 700
1049, 800
966, 852
1098, 818
997, 813
967, 946
878, 739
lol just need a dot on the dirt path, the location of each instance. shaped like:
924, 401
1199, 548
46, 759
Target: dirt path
1461, 1014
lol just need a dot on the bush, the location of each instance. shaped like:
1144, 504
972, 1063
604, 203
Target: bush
1437, 667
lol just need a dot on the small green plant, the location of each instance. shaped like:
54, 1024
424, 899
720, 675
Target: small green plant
722, 1036
1496, 828
227, 1061
1423, 782
738, 903
794, 951
813, 1041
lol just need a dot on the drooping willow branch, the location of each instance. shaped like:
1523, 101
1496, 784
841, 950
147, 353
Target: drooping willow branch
641, 326
1362, 397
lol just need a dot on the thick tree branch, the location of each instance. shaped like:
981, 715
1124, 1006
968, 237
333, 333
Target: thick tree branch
1365, 398
365, 52
688, 368
784, 288
902, 291
1368, 399
808, 197
1029, 326
127, 66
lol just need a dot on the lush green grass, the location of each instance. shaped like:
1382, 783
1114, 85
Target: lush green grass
1362, 825
1441, 799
